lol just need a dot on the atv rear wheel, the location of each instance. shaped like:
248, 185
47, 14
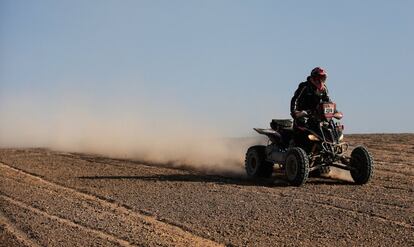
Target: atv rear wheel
362, 161
256, 164
297, 166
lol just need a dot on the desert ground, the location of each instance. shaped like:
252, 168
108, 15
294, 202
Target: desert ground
51, 198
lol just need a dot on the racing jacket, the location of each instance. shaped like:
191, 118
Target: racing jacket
307, 97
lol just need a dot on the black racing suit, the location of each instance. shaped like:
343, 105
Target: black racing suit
306, 98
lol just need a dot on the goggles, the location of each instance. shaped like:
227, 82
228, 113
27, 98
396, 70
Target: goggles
320, 77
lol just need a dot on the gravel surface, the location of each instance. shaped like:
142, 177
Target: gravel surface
50, 198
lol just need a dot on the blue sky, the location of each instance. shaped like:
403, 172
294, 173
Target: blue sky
231, 64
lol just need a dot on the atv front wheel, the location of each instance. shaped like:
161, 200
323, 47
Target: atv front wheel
362, 161
297, 166
256, 164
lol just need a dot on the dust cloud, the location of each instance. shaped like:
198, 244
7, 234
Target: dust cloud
170, 137
340, 174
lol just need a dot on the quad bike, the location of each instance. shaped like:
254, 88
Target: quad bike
313, 146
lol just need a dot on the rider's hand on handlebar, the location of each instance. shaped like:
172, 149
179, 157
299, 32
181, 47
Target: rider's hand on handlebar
338, 115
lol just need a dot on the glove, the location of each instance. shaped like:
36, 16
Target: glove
338, 115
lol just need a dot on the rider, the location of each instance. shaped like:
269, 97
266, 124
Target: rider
309, 94
306, 99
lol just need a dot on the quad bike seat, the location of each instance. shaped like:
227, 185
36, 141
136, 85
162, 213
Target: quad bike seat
285, 128
281, 131
278, 124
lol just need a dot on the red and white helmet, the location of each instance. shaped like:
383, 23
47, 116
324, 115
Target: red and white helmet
319, 73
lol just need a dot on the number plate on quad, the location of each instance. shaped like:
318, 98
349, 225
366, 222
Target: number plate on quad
328, 109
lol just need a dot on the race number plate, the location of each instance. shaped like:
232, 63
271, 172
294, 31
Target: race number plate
328, 109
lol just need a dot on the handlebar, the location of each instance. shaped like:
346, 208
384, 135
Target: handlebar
300, 114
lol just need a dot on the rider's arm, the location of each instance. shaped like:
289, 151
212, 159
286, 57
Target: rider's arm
326, 97
296, 98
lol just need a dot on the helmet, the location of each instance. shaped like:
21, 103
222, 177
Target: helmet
319, 72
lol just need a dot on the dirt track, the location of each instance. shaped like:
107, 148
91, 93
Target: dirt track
64, 199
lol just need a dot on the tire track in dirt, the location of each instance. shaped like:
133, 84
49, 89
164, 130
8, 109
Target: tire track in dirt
328, 197
394, 173
326, 201
410, 165
18, 234
106, 161
356, 211
409, 190
164, 231
100, 234
310, 199
403, 169
390, 206
377, 217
